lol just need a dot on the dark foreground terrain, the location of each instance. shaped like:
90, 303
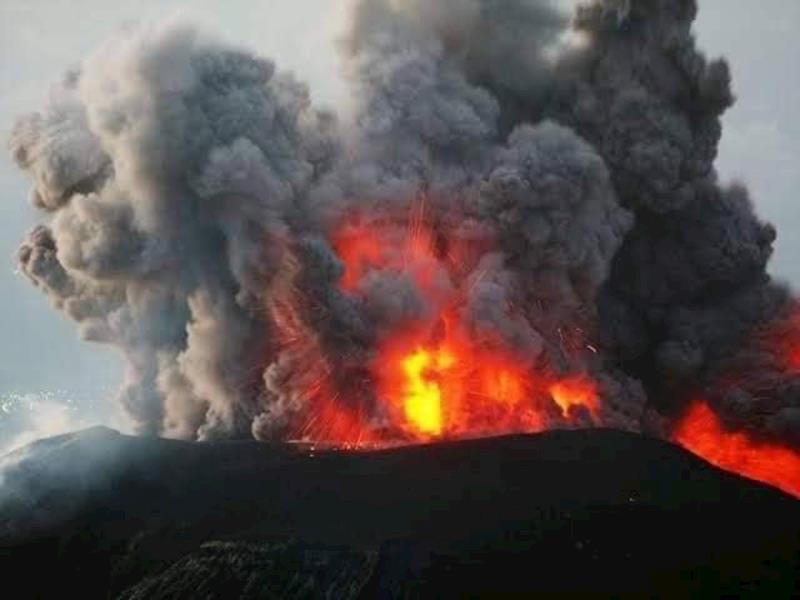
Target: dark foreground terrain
98, 514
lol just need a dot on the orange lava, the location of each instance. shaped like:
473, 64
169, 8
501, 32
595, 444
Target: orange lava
452, 388
364, 244
422, 393
575, 392
433, 378
308, 370
701, 432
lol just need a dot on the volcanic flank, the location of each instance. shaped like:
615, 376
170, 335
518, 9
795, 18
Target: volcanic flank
522, 230
594, 513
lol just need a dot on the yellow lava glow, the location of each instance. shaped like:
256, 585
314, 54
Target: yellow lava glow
574, 392
423, 398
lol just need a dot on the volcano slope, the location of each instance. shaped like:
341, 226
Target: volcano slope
593, 513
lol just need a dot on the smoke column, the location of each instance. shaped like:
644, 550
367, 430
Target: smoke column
522, 229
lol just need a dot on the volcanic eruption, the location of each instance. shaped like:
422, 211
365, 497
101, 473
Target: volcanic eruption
519, 229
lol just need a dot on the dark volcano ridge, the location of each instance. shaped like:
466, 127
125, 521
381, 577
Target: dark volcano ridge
594, 513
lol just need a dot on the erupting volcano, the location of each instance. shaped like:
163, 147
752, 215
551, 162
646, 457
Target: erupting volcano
431, 376
519, 228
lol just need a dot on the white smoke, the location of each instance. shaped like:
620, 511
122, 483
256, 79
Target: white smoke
25, 418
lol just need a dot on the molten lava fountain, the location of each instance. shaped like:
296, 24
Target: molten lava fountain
432, 377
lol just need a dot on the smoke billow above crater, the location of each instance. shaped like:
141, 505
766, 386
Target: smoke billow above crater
522, 228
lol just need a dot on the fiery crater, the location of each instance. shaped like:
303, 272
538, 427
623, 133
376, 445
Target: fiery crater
452, 389
433, 374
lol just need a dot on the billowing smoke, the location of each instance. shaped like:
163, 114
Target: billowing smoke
550, 177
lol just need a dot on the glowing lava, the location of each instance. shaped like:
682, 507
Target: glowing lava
454, 389
433, 377
423, 396
434, 371
701, 432
575, 392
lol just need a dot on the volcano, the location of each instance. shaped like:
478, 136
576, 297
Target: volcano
514, 227
515, 224
588, 512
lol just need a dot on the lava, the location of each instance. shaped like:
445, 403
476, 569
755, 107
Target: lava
701, 432
366, 244
454, 388
433, 373
575, 392
434, 377
423, 395
308, 369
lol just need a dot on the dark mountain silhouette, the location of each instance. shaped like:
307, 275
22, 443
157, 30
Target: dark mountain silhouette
595, 513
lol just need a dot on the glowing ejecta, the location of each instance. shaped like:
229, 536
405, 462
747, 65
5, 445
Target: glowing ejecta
423, 399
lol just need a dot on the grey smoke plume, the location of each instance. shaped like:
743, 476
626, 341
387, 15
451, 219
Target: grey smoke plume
196, 193
196, 154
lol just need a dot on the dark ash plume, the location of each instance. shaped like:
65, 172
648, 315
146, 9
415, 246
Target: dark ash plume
196, 195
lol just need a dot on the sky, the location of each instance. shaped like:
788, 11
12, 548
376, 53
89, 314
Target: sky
51, 381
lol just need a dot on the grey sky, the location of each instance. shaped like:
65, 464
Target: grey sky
39, 350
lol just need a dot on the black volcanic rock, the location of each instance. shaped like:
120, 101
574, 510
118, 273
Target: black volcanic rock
593, 513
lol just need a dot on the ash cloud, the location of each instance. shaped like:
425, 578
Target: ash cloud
195, 192
204, 151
